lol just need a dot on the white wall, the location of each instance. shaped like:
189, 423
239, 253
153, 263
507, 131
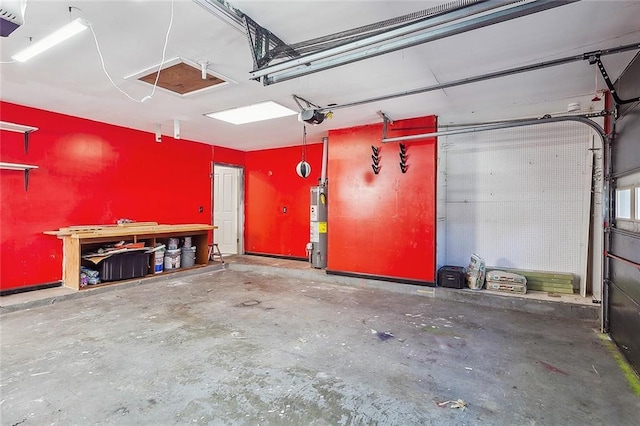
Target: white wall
519, 198
441, 207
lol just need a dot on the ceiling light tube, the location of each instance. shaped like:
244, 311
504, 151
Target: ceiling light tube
56, 37
252, 113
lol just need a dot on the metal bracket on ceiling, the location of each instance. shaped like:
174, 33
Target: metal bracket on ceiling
310, 105
265, 46
594, 58
386, 120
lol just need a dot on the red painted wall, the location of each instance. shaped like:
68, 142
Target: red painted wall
271, 183
93, 173
90, 173
228, 156
382, 224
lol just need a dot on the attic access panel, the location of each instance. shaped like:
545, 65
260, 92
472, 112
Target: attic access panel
182, 77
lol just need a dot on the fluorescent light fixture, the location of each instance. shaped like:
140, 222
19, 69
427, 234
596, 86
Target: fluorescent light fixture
252, 113
58, 36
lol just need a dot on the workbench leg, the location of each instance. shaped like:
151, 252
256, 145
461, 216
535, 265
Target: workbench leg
71, 263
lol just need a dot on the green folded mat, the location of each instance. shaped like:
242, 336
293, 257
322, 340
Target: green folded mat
552, 282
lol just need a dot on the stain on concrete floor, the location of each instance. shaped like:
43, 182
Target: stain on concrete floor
238, 348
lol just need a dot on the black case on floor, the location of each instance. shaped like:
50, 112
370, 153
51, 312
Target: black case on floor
122, 266
452, 276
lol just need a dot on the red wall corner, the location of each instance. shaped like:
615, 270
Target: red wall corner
271, 184
89, 173
222, 155
383, 224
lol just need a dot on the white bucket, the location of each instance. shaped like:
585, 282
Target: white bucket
159, 259
187, 242
188, 256
172, 244
172, 259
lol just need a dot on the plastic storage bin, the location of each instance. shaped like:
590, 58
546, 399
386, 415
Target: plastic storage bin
123, 266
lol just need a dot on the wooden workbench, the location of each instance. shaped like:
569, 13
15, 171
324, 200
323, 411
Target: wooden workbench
81, 239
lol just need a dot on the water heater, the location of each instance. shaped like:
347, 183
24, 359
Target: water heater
318, 216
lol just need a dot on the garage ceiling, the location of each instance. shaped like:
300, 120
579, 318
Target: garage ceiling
69, 78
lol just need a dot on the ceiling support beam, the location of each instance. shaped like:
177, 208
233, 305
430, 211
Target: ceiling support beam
264, 43
492, 75
402, 31
223, 11
308, 64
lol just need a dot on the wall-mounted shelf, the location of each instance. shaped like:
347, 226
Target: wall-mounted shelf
24, 167
19, 128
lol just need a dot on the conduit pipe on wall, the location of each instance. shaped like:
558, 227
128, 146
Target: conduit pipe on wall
325, 154
506, 124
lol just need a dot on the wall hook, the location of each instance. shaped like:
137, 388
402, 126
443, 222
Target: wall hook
376, 159
403, 158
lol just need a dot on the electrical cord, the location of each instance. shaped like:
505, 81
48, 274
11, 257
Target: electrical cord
155, 84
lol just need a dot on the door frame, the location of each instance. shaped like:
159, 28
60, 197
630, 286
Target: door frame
241, 215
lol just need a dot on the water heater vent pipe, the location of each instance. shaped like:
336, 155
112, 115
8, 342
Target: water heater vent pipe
325, 154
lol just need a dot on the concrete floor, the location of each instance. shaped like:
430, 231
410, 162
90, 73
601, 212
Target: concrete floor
238, 348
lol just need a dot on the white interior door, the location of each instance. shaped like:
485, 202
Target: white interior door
226, 208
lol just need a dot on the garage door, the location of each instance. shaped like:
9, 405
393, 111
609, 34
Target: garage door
623, 285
